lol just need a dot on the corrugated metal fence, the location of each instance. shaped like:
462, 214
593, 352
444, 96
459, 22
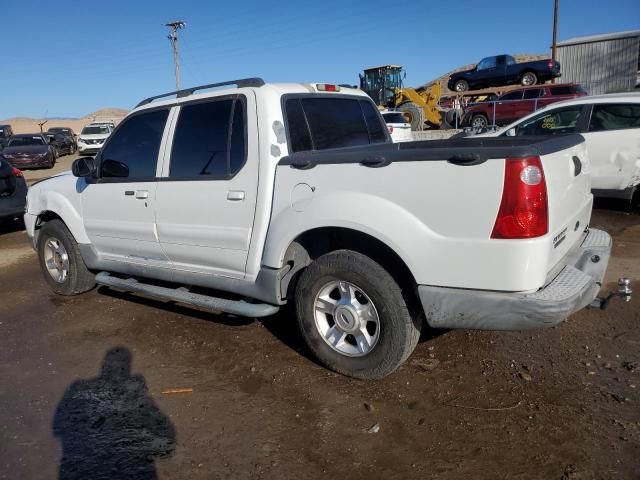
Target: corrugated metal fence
601, 66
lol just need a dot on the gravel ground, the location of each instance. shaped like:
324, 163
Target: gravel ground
105, 383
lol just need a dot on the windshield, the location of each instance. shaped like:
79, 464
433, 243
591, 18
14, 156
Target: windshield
25, 141
101, 130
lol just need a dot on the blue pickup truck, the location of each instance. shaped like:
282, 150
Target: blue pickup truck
503, 70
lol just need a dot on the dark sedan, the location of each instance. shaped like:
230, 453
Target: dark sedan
29, 150
13, 192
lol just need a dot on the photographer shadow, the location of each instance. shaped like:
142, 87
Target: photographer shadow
110, 427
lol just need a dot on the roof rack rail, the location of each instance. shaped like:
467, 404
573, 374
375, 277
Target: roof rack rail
185, 92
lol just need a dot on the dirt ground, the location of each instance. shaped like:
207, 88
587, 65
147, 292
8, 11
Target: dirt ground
106, 382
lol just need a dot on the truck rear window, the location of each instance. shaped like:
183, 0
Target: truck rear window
320, 123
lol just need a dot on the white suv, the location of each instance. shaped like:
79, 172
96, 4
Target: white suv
92, 137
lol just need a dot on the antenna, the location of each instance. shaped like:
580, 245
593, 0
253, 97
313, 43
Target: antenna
173, 38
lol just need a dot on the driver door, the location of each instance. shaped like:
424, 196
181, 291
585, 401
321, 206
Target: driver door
119, 206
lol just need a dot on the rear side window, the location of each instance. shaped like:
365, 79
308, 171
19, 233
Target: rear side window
209, 140
320, 123
135, 145
567, 90
617, 116
532, 93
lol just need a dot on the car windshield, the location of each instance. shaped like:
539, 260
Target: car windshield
394, 118
25, 141
97, 130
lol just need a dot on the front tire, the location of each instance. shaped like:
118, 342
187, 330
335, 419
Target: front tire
60, 261
461, 86
416, 114
479, 121
353, 316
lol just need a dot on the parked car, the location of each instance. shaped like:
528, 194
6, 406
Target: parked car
13, 192
29, 150
68, 132
610, 125
503, 70
92, 138
518, 103
398, 126
294, 193
5, 134
62, 144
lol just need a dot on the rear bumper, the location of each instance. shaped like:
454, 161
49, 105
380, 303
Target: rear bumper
13, 205
572, 286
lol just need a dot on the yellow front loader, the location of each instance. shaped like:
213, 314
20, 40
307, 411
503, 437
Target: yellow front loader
384, 85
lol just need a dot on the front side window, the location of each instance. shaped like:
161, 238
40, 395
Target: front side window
511, 96
616, 116
320, 123
132, 151
485, 63
394, 118
209, 140
558, 121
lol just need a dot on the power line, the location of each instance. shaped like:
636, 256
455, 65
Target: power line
173, 38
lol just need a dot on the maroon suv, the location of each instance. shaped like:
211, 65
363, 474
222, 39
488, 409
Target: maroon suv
518, 103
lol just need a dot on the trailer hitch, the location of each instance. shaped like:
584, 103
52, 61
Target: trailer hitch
624, 291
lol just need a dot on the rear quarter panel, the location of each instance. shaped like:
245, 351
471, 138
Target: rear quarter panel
436, 216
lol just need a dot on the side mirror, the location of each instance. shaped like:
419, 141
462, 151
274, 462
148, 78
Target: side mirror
83, 167
511, 132
113, 168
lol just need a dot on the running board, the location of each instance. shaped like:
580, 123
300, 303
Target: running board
235, 307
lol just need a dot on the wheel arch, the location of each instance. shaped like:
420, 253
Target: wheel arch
314, 242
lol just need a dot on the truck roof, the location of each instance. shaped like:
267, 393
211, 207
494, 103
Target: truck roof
268, 89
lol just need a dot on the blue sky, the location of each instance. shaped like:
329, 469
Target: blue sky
68, 58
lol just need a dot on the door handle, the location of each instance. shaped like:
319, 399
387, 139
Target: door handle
142, 194
235, 195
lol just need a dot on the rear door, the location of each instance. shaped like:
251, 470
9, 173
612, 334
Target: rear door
530, 102
206, 198
507, 107
613, 140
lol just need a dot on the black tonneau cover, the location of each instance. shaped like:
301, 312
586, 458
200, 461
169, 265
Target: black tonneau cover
460, 151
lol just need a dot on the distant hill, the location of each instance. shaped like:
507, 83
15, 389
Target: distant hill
30, 125
445, 78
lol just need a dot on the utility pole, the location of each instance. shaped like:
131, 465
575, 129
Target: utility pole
173, 38
555, 31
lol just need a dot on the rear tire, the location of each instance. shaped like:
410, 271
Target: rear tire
416, 113
365, 297
60, 261
528, 79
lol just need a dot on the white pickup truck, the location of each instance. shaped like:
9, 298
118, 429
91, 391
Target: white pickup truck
246, 198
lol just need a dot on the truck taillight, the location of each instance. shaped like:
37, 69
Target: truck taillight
390, 128
327, 87
16, 172
524, 212
550, 64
